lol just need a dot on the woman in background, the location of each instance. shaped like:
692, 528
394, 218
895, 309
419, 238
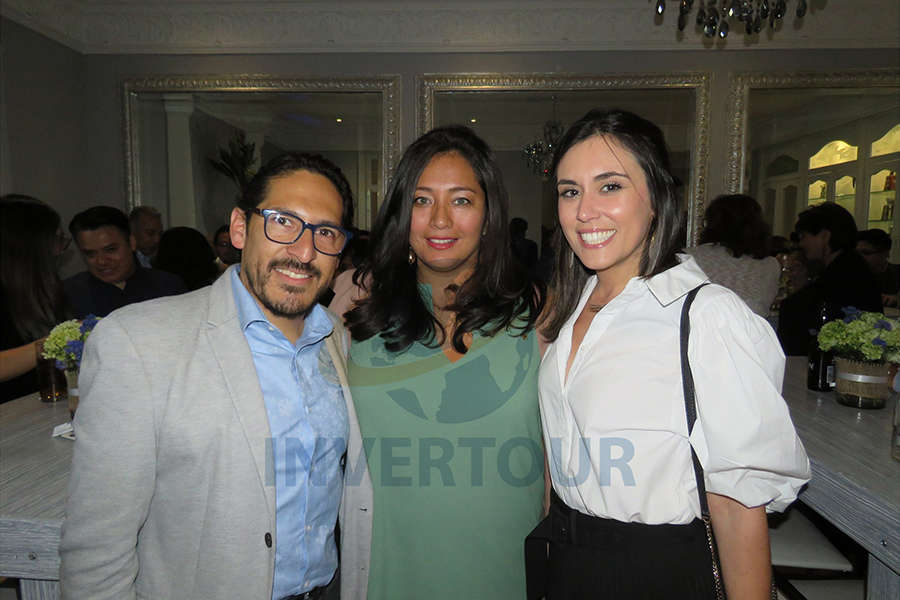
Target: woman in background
185, 252
625, 520
734, 251
443, 371
31, 296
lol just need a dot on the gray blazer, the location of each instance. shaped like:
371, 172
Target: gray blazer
167, 496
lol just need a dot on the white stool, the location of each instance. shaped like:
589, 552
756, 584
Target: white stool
797, 542
830, 589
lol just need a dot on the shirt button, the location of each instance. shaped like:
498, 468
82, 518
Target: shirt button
268, 539
309, 527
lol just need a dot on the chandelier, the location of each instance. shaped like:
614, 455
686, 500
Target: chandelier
539, 154
713, 16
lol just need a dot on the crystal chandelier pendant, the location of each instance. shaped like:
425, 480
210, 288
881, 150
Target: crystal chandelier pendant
539, 154
716, 17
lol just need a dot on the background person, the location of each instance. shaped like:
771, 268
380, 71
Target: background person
31, 294
523, 249
612, 377
827, 235
114, 277
443, 369
226, 253
734, 251
147, 229
874, 245
185, 252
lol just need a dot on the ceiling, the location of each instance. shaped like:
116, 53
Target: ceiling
280, 26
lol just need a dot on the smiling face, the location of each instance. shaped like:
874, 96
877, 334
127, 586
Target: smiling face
287, 279
447, 218
107, 252
604, 207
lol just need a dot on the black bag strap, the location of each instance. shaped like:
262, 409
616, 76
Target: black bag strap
690, 405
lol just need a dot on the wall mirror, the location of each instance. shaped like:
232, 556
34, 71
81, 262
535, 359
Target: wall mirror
802, 139
517, 114
175, 126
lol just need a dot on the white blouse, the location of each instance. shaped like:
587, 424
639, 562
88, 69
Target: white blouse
616, 430
755, 280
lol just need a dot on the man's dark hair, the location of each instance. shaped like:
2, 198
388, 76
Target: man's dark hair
97, 217
877, 238
291, 162
833, 217
518, 227
223, 229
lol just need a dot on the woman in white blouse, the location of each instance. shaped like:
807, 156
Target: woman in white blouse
734, 251
625, 516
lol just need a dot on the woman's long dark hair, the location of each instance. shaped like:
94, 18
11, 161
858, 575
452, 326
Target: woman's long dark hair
28, 265
736, 222
666, 234
185, 252
498, 295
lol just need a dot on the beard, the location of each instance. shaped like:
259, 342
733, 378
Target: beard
294, 305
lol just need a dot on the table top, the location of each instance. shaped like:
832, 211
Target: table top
34, 468
855, 483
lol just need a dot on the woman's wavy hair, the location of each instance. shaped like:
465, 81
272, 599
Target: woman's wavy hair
498, 295
29, 237
736, 222
646, 143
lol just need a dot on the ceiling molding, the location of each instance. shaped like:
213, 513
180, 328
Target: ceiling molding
238, 26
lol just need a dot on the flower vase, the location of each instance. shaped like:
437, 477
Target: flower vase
861, 384
72, 384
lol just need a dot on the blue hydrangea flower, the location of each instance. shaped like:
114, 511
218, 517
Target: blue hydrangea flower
882, 324
60, 365
879, 342
88, 323
75, 347
851, 313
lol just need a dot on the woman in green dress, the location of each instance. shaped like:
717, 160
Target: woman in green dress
443, 372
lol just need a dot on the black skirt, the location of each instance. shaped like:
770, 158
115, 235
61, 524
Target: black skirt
596, 558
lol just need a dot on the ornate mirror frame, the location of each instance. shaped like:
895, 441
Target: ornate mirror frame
386, 85
742, 83
429, 84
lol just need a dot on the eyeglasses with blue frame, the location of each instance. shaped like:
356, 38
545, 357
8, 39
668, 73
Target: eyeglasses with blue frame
283, 227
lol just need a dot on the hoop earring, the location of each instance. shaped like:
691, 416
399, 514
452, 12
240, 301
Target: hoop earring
412, 256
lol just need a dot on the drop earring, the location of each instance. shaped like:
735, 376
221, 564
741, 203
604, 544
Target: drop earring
412, 256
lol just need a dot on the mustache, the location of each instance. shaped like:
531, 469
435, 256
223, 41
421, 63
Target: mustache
294, 265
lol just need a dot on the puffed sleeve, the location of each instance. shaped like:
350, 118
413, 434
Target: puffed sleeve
744, 436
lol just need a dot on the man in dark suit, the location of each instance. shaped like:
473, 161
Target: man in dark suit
114, 277
827, 235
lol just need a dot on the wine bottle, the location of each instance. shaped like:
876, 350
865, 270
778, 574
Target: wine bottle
820, 376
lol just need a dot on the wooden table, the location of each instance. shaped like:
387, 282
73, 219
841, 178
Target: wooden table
34, 474
855, 482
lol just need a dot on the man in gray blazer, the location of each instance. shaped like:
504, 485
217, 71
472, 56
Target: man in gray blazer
212, 425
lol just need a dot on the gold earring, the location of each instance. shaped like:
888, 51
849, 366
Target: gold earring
412, 256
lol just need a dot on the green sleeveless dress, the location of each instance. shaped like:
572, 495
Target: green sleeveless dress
455, 454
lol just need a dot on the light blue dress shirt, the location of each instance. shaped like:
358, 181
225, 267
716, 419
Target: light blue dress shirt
308, 422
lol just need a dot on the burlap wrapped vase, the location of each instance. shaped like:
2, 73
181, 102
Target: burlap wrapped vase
861, 384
